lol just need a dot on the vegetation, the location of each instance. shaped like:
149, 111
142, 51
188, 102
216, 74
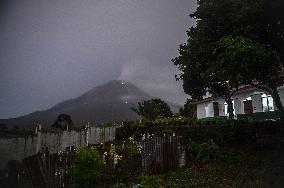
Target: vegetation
256, 22
63, 122
253, 63
153, 109
257, 169
246, 36
88, 167
220, 153
189, 109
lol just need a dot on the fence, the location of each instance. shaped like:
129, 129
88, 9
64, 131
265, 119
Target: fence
162, 154
50, 166
50, 170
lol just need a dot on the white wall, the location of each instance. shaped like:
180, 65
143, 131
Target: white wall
17, 148
239, 106
201, 112
281, 94
256, 103
238, 103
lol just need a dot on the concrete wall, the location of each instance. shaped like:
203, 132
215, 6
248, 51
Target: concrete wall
18, 148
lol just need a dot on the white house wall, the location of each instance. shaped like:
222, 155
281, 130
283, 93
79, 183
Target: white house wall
238, 103
201, 108
281, 94
201, 113
256, 103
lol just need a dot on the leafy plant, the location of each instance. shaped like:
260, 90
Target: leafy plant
88, 167
206, 152
148, 181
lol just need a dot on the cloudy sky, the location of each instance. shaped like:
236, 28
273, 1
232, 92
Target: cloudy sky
53, 50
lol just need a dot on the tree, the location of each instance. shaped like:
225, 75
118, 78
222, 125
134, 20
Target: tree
194, 63
261, 21
63, 122
253, 63
152, 109
189, 109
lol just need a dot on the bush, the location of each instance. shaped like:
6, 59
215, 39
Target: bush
223, 132
148, 181
88, 167
206, 152
128, 168
195, 175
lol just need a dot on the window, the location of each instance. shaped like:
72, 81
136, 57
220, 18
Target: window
267, 103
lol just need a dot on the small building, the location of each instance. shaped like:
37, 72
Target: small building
247, 100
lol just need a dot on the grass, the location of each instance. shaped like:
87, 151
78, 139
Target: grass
258, 167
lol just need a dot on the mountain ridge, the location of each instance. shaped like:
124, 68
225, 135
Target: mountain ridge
109, 102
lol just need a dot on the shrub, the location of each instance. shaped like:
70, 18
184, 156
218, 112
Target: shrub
88, 167
206, 152
150, 181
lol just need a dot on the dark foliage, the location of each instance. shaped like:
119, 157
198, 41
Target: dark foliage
260, 21
153, 109
189, 109
63, 122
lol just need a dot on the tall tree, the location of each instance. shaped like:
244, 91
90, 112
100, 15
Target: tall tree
252, 63
152, 109
261, 21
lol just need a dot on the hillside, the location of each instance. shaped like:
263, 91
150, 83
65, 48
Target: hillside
110, 102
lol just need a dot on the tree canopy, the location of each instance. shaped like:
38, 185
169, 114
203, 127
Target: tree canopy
152, 109
253, 63
63, 122
232, 31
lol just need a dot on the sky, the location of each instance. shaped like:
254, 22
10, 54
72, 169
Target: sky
54, 50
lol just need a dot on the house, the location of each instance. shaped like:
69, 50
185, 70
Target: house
246, 101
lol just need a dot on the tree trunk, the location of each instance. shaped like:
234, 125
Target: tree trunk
277, 101
229, 101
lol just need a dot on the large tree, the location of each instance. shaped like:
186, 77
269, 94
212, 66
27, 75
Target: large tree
261, 21
241, 60
152, 109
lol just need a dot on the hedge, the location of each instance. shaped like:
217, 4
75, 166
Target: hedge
222, 132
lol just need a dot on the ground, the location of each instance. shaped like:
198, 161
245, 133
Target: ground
263, 167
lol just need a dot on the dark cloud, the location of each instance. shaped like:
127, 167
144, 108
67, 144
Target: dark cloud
52, 50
